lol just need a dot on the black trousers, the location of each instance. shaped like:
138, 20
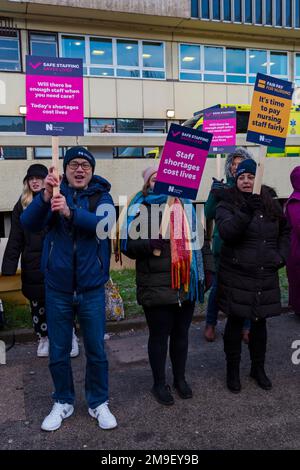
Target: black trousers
38, 314
233, 340
164, 322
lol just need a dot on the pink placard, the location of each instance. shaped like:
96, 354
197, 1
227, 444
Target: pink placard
54, 98
222, 124
182, 162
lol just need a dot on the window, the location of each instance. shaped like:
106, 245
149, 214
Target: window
269, 12
231, 65
155, 125
10, 52
248, 11
127, 56
74, 48
280, 13
130, 152
194, 9
2, 231
13, 153
227, 10
258, 11
216, 10
86, 125
109, 57
129, 125
297, 69
12, 124
205, 9
46, 152
43, 44
236, 65
237, 11
288, 13
278, 21
257, 63
102, 125
297, 13
101, 57
213, 64
190, 62
279, 64
153, 59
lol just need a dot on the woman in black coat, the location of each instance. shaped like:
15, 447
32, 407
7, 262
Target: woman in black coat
168, 310
29, 246
256, 244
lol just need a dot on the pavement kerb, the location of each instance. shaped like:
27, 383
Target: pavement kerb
26, 335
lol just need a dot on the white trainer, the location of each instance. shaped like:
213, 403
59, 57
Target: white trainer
106, 419
59, 412
75, 346
43, 347
106, 336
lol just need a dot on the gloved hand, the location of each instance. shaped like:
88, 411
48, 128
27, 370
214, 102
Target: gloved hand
216, 184
254, 202
157, 243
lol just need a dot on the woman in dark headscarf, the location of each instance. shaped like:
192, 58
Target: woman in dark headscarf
293, 264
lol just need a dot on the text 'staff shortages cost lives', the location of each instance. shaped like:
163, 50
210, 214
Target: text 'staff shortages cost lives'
182, 162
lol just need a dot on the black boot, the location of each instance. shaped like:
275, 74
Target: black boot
183, 389
232, 349
162, 393
233, 377
258, 373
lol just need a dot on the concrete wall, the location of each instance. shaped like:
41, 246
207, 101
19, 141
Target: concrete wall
125, 177
173, 8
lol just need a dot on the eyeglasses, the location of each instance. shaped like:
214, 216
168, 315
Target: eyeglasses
84, 165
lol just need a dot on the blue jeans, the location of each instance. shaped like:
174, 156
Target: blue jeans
212, 306
213, 309
90, 309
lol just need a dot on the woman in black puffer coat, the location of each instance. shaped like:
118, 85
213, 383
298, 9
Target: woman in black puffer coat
29, 246
256, 244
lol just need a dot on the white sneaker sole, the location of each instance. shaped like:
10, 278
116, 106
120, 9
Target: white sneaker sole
42, 354
57, 427
91, 413
74, 354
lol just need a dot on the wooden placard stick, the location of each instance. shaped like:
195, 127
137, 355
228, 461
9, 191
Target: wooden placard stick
55, 158
165, 221
218, 162
260, 169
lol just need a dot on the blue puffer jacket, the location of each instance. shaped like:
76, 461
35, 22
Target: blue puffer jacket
73, 258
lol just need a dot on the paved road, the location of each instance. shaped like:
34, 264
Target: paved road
213, 419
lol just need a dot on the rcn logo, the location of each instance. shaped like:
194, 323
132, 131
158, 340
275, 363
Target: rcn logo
171, 189
261, 138
49, 127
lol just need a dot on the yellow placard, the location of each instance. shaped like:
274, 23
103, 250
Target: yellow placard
269, 114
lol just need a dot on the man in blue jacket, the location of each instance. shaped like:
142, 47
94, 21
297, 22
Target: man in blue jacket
75, 263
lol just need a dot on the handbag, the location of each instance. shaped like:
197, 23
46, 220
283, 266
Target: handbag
114, 308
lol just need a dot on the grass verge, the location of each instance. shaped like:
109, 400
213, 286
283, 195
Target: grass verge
18, 316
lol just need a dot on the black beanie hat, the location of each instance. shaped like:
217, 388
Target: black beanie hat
79, 152
37, 170
246, 166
